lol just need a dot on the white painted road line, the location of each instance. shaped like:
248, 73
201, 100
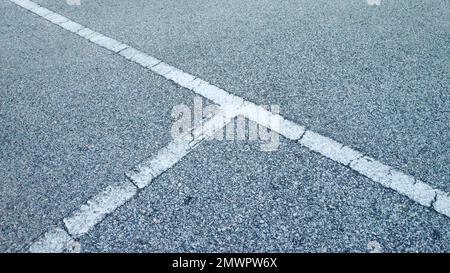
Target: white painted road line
148, 170
413, 188
113, 197
138, 57
418, 191
442, 203
55, 241
42, 11
272, 121
56, 18
104, 203
26, 4
72, 26
329, 148
145, 172
107, 42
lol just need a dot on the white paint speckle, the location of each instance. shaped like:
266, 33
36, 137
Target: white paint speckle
54, 241
374, 247
374, 2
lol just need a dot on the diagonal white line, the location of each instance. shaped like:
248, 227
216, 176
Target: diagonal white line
387, 176
145, 172
98, 207
56, 240
106, 202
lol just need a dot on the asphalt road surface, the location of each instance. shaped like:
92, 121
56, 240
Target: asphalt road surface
77, 118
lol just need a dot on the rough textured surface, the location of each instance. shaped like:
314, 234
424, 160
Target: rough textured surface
73, 119
234, 197
53, 241
391, 83
98, 207
371, 77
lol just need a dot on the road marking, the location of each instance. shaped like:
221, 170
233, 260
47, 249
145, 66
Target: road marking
72, 26
56, 18
418, 191
106, 42
272, 121
138, 57
442, 202
148, 170
106, 202
56, 240
329, 148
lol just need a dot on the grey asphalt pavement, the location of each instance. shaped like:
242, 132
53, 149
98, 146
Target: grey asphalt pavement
75, 117
247, 200
373, 77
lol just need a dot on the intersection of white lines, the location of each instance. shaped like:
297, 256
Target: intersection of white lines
60, 239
